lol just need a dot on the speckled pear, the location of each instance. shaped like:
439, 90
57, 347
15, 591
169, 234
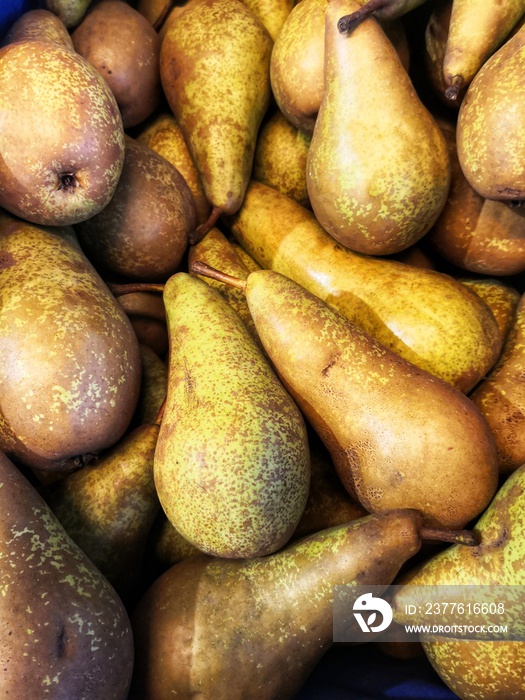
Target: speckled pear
70, 377
232, 460
69, 11
285, 237
71, 170
65, 633
218, 95
399, 437
272, 13
501, 299
253, 630
481, 670
378, 184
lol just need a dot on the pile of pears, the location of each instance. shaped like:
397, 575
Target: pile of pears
262, 333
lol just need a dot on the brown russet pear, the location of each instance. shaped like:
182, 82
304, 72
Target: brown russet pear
375, 185
164, 137
232, 465
480, 670
65, 632
280, 157
431, 320
147, 315
70, 12
108, 508
218, 96
70, 378
399, 437
143, 232
39, 25
501, 299
474, 233
501, 396
125, 49
490, 123
71, 170
254, 629
477, 29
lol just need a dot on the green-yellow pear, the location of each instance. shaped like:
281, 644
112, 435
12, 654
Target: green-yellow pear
69, 11
62, 140
70, 376
399, 437
430, 320
218, 96
232, 460
480, 670
153, 386
490, 124
253, 630
378, 184
147, 315
501, 299
501, 396
65, 633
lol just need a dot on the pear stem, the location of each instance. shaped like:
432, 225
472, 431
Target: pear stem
465, 537
202, 230
354, 19
452, 92
200, 268
119, 290
160, 413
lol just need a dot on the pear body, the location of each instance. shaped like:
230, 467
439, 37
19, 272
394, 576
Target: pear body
71, 373
69, 11
501, 299
71, 171
247, 466
195, 626
375, 185
218, 96
490, 122
272, 13
399, 437
153, 386
65, 633
39, 25
481, 670
431, 320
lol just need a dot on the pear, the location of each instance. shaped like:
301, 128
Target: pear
272, 13
436, 35
480, 670
164, 137
109, 507
490, 123
148, 317
125, 49
70, 375
253, 630
399, 437
477, 29
65, 633
376, 186
501, 397
232, 440
215, 250
155, 11
71, 170
170, 546
153, 386
218, 96
431, 320
501, 299
280, 158
40, 25
69, 11
474, 233
245, 257
143, 232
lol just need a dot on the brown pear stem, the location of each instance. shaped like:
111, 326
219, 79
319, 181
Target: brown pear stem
202, 230
465, 537
200, 268
119, 290
452, 92
160, 413
351, 21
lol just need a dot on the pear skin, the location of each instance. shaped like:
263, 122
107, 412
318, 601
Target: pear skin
148, 317
283, 236
375, 185
70, 378
481, 670
399, 437
65, 633
490, 123
272, 13
40, 25
501, 397
219, 96
153, 386
501, 299
195, 630
231, 440
155, 11
70, 12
